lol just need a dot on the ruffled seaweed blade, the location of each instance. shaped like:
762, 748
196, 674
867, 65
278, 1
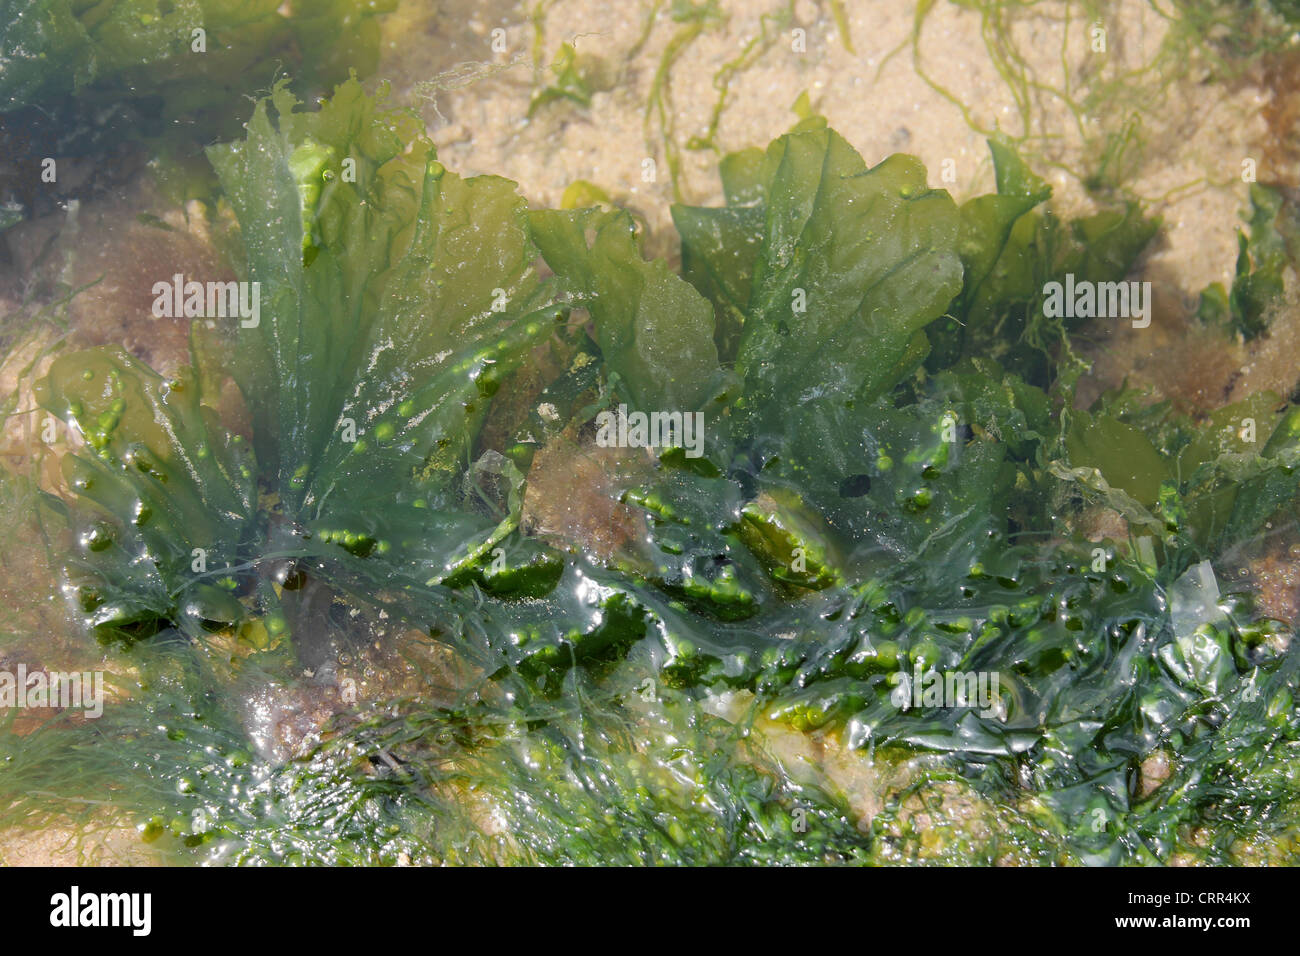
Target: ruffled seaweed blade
393, 298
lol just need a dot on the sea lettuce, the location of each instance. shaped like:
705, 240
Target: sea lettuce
170, 494
1012, 245
994, 276
849, 265
1209, 485
395, 298
655, 332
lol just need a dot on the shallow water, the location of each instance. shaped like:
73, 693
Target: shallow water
618, 674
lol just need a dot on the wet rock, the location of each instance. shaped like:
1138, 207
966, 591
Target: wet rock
572, 498
286, 720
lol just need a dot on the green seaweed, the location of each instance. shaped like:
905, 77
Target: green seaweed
1262, 260
1112, 102
1011, 248
878, 498
192, 56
